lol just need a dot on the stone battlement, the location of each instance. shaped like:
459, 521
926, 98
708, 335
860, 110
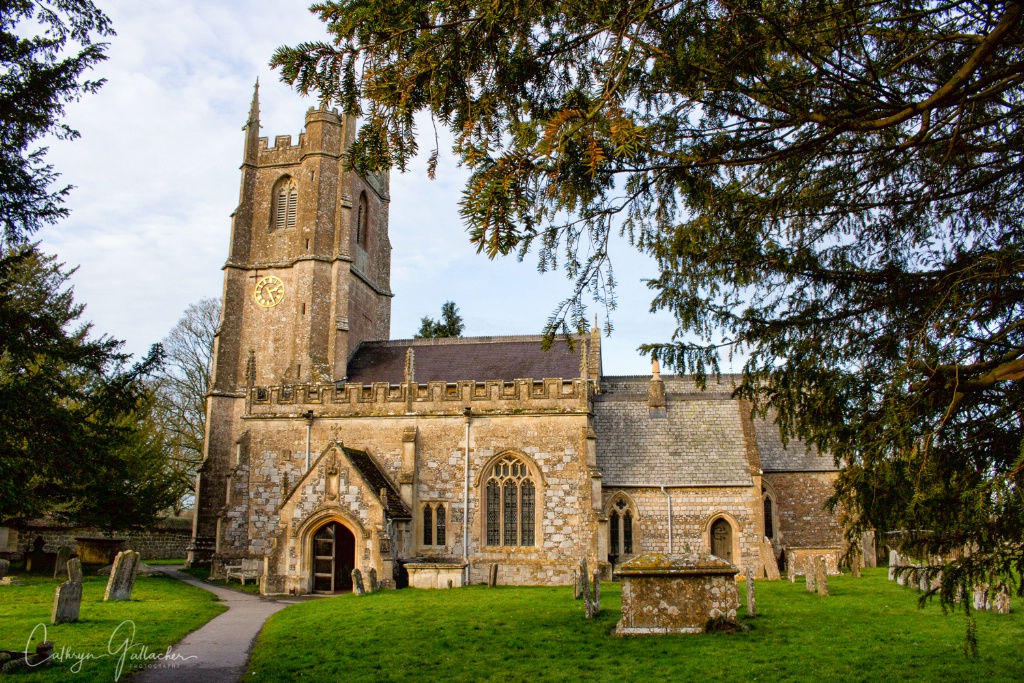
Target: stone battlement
521, 396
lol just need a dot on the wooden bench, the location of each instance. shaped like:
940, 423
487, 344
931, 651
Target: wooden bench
248, 569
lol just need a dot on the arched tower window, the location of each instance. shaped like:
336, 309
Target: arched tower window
511, 504
286, 204
621, 524
362, 219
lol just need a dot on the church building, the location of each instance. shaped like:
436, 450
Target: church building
331, 447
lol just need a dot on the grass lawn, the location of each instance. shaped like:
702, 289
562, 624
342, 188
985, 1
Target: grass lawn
166, 563
869, 629
163, 610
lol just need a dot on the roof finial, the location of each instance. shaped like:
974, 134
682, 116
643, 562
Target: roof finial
655, 368
254, 108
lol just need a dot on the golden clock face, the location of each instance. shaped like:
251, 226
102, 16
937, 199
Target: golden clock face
269, 291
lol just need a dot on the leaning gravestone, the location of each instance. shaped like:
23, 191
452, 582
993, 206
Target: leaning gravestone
372, 575
5, 566
122, 576
61, 565
597, 591
75, 570
357, 582
809, 574
67, 602
492, 576
821, 576
894, 562
751, 604
771, 565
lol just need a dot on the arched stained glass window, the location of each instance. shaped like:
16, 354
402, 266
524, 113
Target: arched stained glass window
511, 504
428, 525
620, 527
440, 535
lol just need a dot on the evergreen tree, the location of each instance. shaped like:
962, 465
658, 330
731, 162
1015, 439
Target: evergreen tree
831, 188
76, 442
450, 324
40, 75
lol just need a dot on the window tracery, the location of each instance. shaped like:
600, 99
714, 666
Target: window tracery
620, 528
510, 504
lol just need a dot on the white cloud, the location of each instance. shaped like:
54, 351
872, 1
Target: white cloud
156, 176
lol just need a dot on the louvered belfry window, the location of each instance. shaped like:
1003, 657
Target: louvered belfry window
511, 504
286, 206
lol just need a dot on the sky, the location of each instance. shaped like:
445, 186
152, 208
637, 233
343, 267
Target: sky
156, 174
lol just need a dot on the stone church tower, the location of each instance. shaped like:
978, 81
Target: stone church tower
306, 281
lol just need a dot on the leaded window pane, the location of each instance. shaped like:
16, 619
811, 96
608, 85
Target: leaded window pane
510, 496
768, 521
627, 533
439, 537
493, 513
613, 533
428, 525
529, 494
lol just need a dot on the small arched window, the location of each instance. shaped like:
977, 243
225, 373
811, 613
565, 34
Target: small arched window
620, 528
286, 204
511, 504
769, 513
362, 218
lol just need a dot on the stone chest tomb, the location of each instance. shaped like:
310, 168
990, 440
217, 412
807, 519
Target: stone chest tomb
675, 593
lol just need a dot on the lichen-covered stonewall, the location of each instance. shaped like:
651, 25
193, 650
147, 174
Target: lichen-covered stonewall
331, 448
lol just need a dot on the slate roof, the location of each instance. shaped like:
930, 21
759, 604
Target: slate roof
796, 456
377, 480
464, 358
701, 442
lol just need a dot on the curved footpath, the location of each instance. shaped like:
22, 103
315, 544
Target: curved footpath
218, 651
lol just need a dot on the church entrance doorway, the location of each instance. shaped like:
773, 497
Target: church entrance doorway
721, 540
334, 556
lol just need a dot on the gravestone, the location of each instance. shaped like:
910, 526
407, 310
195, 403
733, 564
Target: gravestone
122, 576
821, 576
585, 586
5, 566
751, 604
39, 560
67, 602
597, 591
576, 592
372, 575
75, 570
981, 597
809, 574
492, 576
870, 550
1001, 601
61, 565
894, 561
771, 565
357, 582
